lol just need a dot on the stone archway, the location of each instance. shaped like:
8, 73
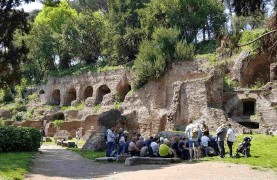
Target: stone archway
59, 116
122, 90
56, 97
70, 96
88, 92
41, 92
102, 90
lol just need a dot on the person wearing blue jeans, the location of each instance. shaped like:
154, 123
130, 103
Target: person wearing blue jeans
122, 142
110, 142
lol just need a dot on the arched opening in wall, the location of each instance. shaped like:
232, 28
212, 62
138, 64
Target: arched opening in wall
41, 92
122, 90
249, 107
88, 92
250, 125
71, 95
58, 116
102, 90
56, 97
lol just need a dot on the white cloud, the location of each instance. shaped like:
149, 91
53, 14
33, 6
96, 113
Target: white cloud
30, 6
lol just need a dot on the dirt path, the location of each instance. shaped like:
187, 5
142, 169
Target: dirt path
57, 163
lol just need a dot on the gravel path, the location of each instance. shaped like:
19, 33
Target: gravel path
57, 163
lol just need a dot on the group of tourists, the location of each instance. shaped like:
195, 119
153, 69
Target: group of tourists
194, 143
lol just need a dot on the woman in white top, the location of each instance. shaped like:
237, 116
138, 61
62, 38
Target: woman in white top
230, 138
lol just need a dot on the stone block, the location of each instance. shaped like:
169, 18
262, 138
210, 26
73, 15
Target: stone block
59, 142
106, 159
48, 139
122, 157
71, 144
150, 160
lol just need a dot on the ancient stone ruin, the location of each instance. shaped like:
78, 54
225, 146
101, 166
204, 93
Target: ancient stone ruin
189, 90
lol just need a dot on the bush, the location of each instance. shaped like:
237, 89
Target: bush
19, 139
248, 36
58, 123
157, 55
6, 96
206, 47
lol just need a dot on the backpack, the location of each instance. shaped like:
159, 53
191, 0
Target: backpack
194, 132
150, 151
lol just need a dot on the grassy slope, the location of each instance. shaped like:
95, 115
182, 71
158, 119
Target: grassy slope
15, 165
263, 152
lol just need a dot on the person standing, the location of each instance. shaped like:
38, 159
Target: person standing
110, 142
78, 136
192, 133
42, 134
230, 139
221, 135
204, 128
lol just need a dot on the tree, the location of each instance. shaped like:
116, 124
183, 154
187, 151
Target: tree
189, 16
48, 29
247, 8
84, 36
11, 55
122, 34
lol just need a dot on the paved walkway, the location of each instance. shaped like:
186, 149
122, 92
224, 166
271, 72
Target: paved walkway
57, 163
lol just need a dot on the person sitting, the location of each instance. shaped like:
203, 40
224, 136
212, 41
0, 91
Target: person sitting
165, 151
183, 146
132, 148
204, 143
122, 142
155, 147
144, 152
174, 146
140, 142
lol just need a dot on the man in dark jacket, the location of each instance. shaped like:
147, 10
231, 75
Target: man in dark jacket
221, 135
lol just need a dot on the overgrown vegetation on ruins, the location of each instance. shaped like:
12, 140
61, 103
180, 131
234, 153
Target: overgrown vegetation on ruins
75, 37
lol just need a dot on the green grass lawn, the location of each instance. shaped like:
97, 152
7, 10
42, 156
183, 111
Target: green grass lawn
15, 165
263, 152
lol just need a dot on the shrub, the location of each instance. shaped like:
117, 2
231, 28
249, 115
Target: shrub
33, 97
96, 108
248, 36
6, 95
19, 139
206, 47
1, 122
157, 55
229, 84
58, 123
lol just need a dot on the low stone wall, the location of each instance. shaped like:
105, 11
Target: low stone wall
150, 160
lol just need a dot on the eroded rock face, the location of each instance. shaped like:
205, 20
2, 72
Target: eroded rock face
247, 70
